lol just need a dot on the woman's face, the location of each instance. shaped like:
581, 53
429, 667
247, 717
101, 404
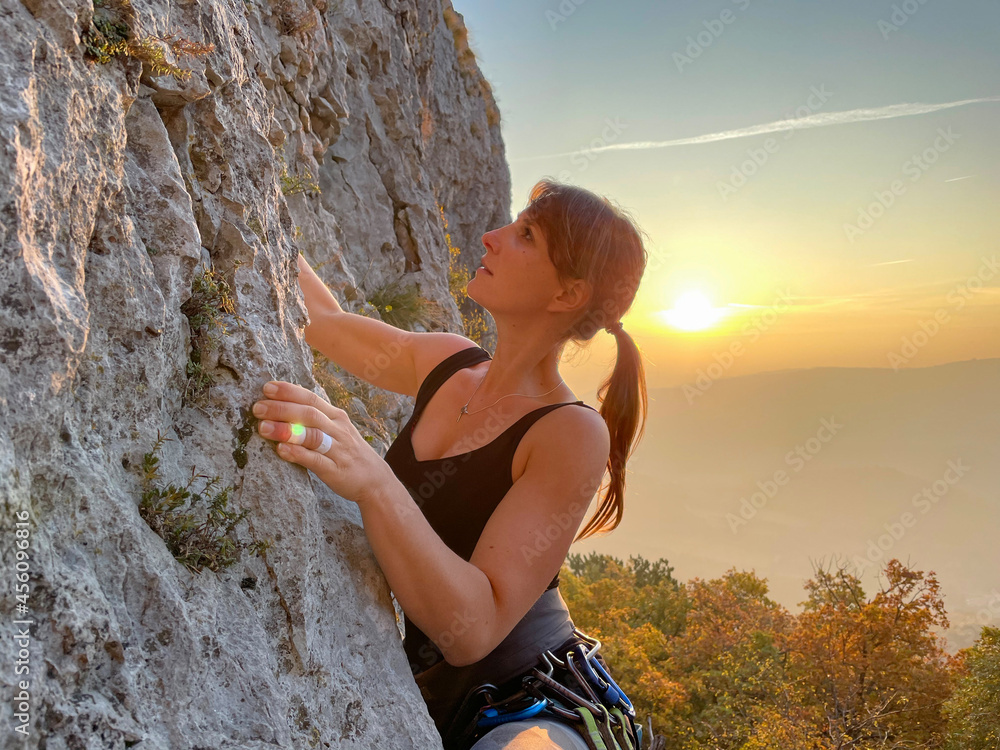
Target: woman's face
515, 272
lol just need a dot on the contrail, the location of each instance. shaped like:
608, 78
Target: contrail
818, 120
956, 179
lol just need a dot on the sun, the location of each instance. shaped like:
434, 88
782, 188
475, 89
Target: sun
693, 311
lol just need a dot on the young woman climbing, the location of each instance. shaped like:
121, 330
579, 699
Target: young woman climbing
473, 509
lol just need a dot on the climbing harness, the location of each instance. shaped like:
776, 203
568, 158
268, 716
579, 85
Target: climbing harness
573, 686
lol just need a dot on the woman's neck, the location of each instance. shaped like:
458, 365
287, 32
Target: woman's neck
523, 367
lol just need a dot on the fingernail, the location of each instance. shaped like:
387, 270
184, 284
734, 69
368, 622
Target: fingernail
270, 389
266, 428
259, 409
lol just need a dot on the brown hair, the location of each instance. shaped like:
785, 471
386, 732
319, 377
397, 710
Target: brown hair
590, 238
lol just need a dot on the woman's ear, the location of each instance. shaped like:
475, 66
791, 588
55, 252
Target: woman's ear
575, 296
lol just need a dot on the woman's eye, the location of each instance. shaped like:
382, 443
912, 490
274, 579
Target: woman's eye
527, 233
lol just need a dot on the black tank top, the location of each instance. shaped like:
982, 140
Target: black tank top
456, 494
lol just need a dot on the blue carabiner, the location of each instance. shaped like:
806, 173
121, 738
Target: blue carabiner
609, 694
491, 717
604, 674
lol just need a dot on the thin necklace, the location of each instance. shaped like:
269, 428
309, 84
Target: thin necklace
465, 409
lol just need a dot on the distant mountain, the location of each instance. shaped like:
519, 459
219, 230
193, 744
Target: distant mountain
837, 458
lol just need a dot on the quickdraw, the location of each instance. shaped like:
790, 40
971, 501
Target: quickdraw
584, 696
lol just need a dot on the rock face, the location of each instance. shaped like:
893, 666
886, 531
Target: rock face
331, 127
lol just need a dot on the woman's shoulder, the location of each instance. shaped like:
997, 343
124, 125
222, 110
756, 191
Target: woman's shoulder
575, 427
570, 442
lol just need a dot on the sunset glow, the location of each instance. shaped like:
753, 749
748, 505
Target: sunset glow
693, 311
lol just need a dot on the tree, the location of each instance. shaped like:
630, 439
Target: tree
731, 662
875, 666
974, 708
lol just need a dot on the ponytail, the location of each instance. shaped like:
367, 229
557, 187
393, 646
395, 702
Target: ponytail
623, 401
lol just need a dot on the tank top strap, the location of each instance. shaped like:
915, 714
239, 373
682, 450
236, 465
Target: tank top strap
516, 432
444, 370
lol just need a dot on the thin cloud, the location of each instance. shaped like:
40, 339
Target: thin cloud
819, 120
914, 297
891, 262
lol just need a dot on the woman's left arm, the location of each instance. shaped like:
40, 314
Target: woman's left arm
465, 608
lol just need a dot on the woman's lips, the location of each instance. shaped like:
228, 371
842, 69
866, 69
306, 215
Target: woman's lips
484, 269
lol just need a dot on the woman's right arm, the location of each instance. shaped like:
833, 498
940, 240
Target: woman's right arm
385, 356
367, 348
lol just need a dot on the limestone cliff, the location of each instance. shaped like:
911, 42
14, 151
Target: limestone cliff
163, 163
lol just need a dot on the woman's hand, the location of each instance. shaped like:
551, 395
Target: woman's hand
296, 419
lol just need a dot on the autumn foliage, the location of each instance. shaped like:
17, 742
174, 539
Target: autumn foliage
719, 665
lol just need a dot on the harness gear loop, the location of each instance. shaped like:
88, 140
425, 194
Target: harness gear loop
626, 739
579, 693
591, 735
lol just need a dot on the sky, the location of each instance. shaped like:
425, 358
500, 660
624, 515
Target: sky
818, 182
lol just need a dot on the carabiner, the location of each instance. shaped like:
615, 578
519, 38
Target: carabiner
629, 709
609, 692
564, 691
583, 682
491, 717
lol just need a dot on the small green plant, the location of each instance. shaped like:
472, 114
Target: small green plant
199, 381
110, 31
257, 228
403, 306
196, 539
473, 319
208, 309
243, 435
211, 299
112, 35
293, 185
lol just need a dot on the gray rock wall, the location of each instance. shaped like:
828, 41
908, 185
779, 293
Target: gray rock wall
334, 128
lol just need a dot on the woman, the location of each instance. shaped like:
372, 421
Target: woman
473, 509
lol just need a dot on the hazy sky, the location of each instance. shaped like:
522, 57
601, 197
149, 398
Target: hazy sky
784, 232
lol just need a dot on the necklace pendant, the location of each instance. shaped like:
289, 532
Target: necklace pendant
464, 410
